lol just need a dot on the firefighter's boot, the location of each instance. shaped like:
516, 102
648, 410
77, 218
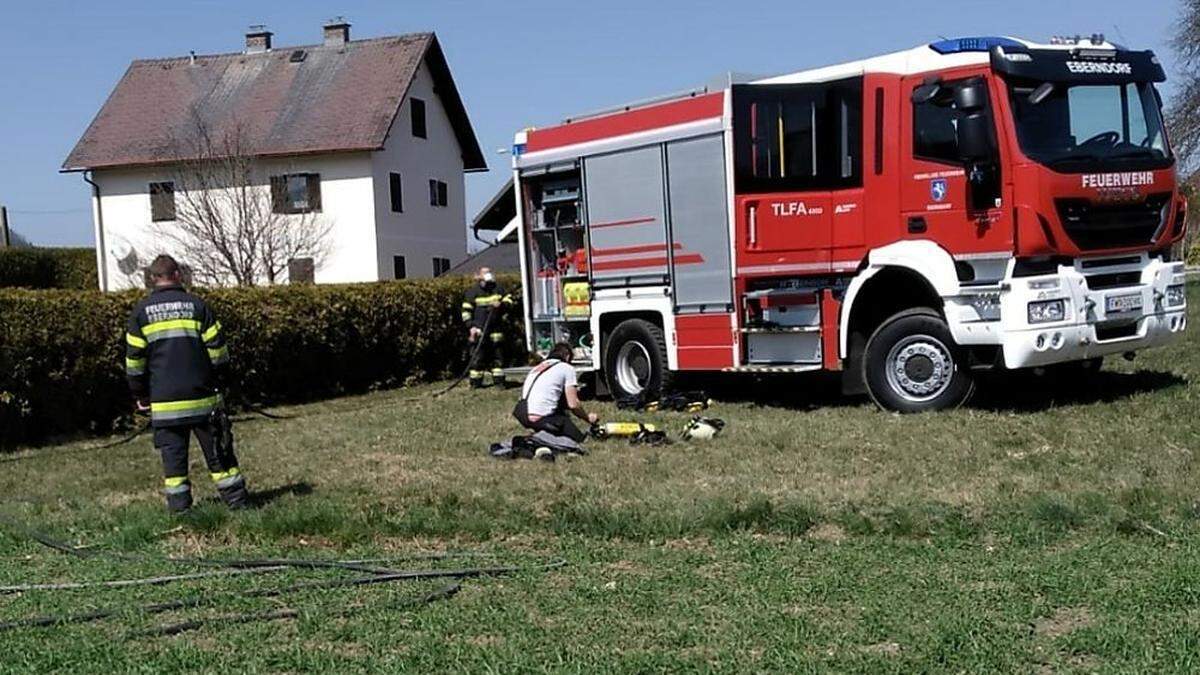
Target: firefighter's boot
476, 379
498, 378
231, 485
178, 491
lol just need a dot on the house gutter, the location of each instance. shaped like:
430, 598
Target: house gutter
98, 219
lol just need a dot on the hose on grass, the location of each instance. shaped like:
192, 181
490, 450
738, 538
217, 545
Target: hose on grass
364, 565
444, 593
139, 431
487, 325
146, 581
189, 603
64, 547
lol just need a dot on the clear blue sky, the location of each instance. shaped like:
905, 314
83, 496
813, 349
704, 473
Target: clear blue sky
517, 63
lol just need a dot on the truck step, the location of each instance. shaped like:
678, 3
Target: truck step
783, 329
766, 368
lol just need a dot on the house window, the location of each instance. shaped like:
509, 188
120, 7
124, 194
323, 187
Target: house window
301, 271
440, 266
437, 192
296, 193
397, 191
418, 117
398, 269
162, 201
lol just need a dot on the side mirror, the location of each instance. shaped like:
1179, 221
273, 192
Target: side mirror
978, 153
974, 138
926, 92
970, 96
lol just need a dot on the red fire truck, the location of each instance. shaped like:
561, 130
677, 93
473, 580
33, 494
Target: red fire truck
907, 219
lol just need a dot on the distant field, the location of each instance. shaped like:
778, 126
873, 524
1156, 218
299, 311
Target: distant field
1048, 526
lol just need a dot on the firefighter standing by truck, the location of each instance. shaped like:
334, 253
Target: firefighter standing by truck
174, 350
482, 309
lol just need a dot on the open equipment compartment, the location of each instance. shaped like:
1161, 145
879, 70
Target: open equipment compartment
558, 274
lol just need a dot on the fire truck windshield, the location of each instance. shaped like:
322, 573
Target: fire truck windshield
1082, 126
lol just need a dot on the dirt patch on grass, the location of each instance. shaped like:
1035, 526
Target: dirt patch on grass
1065, 620
884, 648
485, 640
828, 532
116, 500
687, 544
721, 571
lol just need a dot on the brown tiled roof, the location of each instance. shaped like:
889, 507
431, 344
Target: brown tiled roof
337, 99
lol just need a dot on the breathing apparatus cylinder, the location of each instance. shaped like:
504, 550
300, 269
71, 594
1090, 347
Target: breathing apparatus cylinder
621, 429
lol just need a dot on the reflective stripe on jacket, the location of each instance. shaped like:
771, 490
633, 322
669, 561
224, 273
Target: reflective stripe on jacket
477, 304
173, 345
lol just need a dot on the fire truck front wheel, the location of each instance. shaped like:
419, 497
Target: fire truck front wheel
913, 365
635, 362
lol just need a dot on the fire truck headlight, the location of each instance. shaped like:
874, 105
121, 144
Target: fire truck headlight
1176, 296
1047, 311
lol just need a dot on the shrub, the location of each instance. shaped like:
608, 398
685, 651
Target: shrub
62, 352
72, 268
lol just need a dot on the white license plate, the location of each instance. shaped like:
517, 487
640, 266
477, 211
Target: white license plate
1123, 303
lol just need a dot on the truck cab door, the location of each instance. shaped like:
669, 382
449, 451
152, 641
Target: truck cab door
953, 190
798, 171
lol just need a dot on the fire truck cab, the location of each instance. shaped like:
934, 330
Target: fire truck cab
907, 219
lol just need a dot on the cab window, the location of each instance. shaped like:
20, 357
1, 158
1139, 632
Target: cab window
935, 127
798, 137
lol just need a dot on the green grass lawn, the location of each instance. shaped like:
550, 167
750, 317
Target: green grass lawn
1049, 526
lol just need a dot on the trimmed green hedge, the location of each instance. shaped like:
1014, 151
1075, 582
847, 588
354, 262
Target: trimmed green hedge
62, 352
73, 268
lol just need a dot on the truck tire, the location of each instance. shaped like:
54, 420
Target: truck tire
635, 361
913, 365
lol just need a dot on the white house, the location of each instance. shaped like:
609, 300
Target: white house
370, 136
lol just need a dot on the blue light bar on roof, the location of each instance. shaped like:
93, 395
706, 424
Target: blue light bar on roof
973, 44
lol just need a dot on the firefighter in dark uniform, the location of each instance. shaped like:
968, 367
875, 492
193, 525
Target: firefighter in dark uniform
174, 350
482, 310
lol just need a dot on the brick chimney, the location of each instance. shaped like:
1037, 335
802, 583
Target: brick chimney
258, 40
337, 32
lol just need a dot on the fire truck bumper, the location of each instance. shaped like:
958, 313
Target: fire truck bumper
1087, 311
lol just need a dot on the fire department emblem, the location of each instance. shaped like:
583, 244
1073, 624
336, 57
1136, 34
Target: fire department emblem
937, 189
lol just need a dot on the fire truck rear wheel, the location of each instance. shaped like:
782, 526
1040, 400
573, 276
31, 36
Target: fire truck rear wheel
635, 361
913, 365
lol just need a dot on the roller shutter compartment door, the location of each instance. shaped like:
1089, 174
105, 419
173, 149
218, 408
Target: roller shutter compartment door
626, 217
699, 208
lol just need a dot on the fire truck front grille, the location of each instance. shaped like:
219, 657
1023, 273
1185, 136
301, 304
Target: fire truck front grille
1103, 226
1099, 282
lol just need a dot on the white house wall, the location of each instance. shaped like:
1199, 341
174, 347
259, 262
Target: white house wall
423, 231
346, 201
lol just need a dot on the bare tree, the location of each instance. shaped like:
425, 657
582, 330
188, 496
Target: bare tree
1183, 116
232, 225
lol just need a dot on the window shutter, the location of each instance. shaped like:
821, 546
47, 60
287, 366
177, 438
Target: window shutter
433, 192
279, 194
314, 191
